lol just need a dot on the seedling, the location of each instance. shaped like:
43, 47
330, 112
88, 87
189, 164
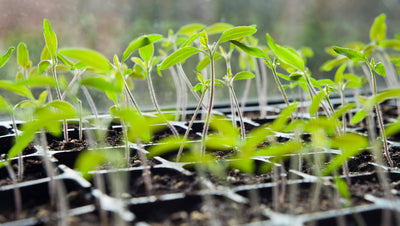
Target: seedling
374, 69
209, 50
201, 87
147, 63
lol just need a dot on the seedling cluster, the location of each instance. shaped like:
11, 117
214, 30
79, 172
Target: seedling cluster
324, 110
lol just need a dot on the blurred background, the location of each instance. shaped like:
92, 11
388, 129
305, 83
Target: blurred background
109, 25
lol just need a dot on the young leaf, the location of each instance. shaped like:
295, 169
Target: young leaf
43, 66
360, 115
351, 144
316, 102
330, 64
236, 33
190, 29
378, 29
286, 55
50, 38
178, 56
22, 55
218, 28
146, 52
138, 43
380, 69
5, 57
252, 51
190, 40
200, 77
204, 40
99, 83
18, 89
89, 57
350, 53
243, 75
339, 74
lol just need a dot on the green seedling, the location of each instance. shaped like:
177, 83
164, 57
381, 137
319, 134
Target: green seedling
228, 80
209, 51
147, 63
374, 68
185, 36
201, 87
52, 44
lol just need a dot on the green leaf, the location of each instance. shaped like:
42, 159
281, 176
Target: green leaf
62, 106
339, 78
198, 88
90, 160
190, 40
360, 115
286, 55
218, 28
316, 101
190, 29
224, 127
22, 55
50, 38
167, 144
204, 40
6, 57
243, 75
38, 81
351, 144
252, 51
330, 64
178, 56
139, 43
43, 66
342, 188
377, 32
236, 33
392, 129
99, 83
283, 117
89, 57
350, 53
380, 69
4, 106
206, 61
393, 43
18, 89
342, 110
200, 77
146, 52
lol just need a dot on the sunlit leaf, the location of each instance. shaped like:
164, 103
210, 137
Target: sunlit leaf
22, 55
286, 55
5, 57
252, 51
330, 64
236, 33
146, 52
50, 38
350, 53
178, 56
243, 75
316, 101
190, 29
138, 43
378, 29
218, 28
360, 115
89, 57
380, 69
351, 144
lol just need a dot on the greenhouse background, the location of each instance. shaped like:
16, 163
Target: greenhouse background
108, 27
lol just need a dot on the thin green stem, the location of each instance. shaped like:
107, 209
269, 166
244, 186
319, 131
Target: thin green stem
379, 117
178, 157
243, 131
155, 103
210, 105
278, 82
